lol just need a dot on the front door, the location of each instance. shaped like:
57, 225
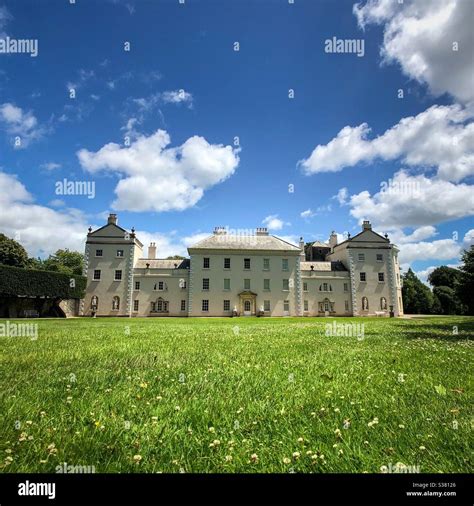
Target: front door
247, 307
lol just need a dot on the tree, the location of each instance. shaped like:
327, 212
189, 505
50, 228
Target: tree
465, 286
448, 301
175, 257
12, 252
417, 297
444, 276
65, 261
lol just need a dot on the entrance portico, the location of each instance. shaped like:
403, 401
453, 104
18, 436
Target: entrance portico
247, 303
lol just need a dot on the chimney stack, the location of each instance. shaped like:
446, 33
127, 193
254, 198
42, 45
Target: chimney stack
302, 252
366, 225
112, 219
262, 231
333, 240
152, 250
220, 231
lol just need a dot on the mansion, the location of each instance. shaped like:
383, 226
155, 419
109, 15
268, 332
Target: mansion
242, 275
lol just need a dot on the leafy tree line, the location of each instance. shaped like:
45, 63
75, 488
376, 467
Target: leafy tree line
452, 293
12, 253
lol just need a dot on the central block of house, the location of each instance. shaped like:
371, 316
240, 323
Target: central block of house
242, 274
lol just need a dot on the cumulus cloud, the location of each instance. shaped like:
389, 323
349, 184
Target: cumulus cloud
160, 178
414, 201
441, 137
177, 97
307, 214
443, 249
40, 229
419, 36
50, 166
273, 222
21, 124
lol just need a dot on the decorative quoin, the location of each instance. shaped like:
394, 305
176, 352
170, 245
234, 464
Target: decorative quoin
242, 275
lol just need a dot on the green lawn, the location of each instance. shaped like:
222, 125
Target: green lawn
238, 395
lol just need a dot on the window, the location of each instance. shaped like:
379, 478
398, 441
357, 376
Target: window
116, 303
226, 284
325, 287
98, 253
286, 284
205, 305
120, 252
305, 286
266, 264
247, 306
183, 305
365, 304
137, 285
326, 305
159, 286
135, 305
284, 264
346, 305
206, 263
381, 277
227, 305
383, 303
305, 305
97, 275
161, 306
226, 263
362, 276
361, 257
246, 263
118, 275
266, 285
286, 306
379, 257
266, 305
246, 284
205, 284
346, 287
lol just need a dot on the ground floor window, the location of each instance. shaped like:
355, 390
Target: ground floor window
227, 305
183, 305
305, 305
286, 306
346, 305
205, 305
326, 306
266, 305
247, 305
159, 306
135, 305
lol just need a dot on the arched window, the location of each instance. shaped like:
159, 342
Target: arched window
161, 306
383, 303
94, 302
365, 303
325, 287
116, 303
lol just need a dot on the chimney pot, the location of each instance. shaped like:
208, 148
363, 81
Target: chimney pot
152, 250
112, 219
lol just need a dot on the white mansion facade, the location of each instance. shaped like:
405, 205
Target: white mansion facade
228, 274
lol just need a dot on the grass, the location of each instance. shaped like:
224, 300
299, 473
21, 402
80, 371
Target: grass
237, 395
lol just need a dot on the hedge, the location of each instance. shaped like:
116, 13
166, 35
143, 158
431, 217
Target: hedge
30, 283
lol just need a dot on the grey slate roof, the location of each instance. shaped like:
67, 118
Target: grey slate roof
245, 242
323, 266
159, 263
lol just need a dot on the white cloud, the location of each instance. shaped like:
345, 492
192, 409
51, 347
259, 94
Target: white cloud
177, 97
432, 201
5, 17
419, 36
159, 178
50, 166
468, 238
82, 77
443, 249
18, 123
441, 137
190, 240
40, 229
292, 239
307, 214
398, 237
272, 222
342, 196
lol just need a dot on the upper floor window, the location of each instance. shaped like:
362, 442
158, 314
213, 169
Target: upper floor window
325, 287
97, 275
284, 264
226, 263
159, 286
266, 264
137, 285
286, 284
361, 257
246, 284
266, 284
205, 284
226, 284
305, 286
120, 252
346, 287
362, 276
246, 263
381, 277
99, 253
118, 275
379, 257
206, 263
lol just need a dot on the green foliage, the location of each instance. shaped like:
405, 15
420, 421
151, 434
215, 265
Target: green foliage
465, 287
175, 257
12, 253
186, 393
448, 301
32, 283
444, 276
417, 297
65, 261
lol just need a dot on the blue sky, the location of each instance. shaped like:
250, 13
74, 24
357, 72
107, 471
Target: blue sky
182, 76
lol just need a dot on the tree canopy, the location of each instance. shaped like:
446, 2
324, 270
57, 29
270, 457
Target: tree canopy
12, 252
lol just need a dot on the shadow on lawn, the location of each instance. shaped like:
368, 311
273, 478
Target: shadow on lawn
455, 330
